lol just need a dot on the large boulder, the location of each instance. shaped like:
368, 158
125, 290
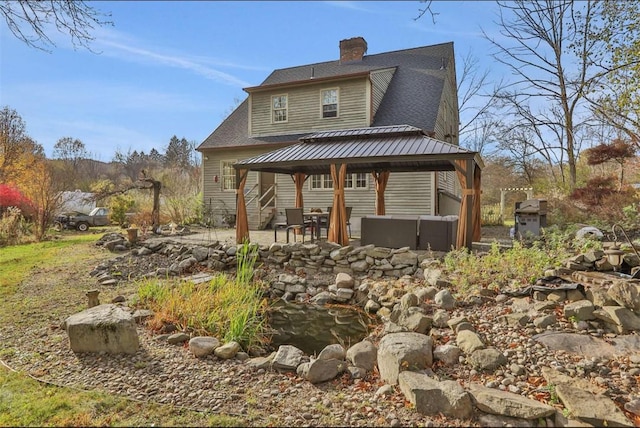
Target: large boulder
403, 351
363, 354
626, 294
103, 328
431, 397
202, 346
287, 358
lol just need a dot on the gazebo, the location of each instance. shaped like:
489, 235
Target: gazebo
379, 151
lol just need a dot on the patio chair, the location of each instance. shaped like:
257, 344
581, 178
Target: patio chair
295, 220
349, 209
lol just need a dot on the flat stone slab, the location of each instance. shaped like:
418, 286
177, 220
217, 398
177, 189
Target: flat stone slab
505, 403
627, 344
589, 346
595, 409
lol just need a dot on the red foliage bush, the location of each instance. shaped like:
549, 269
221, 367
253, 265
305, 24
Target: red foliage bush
12, 197
600, 199
594, 192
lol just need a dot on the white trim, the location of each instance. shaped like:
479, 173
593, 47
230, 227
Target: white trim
250, 116
434, 193
368, 100
272, 109
314, 189
223, 176
337, 89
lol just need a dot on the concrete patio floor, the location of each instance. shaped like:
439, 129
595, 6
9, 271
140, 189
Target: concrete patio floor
202, 235
228, 236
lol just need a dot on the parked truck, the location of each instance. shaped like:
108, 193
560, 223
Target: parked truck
99, 216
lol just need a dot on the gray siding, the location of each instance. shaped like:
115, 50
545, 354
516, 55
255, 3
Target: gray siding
304, 109
448, 181
380, 82
447, 129
448, 121
219, 201
448, 205
409, 193
406, 193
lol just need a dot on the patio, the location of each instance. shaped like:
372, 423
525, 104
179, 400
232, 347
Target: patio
265, 237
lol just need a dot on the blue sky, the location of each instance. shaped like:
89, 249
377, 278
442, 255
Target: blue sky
178, 68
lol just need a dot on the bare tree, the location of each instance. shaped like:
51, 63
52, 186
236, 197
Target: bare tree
524, 157
31, 20
131, 163
70, 154
549, 50
477, 101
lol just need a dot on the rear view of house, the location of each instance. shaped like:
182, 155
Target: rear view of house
411, 89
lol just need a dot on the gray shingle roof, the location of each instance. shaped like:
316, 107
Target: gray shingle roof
394, 148
412, 98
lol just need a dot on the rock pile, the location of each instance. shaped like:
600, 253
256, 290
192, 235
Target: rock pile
427, 339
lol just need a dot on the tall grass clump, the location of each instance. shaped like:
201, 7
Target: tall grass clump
14, 229
230, 308
499, 268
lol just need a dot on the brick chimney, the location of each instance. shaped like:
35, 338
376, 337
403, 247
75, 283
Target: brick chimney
352, 49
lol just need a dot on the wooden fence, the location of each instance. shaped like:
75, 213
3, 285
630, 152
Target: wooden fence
490, 214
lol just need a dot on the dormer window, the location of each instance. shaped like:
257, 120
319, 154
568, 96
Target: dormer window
329, 102
279, 108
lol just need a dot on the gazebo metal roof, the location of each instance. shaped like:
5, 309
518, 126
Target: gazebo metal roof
390, 148
379, 150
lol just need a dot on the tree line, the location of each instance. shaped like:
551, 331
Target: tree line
564, 121
34, 183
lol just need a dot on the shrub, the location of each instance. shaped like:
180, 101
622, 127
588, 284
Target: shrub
13, 227
514, 267
119, 205
225, 307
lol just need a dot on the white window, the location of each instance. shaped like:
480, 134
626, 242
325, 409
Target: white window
356, 181
228, 175
351, 181
279, 108
321, 181
329, 103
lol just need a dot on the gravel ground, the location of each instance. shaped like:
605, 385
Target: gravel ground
169, 374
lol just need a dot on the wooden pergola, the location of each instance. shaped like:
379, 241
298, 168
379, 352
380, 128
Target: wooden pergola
380, 151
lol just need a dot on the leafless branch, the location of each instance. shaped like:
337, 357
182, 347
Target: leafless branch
31, 20
426, 9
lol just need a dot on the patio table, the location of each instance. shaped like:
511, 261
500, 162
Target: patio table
316, 217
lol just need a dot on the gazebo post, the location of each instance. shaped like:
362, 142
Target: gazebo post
242, 222
338, 225
470, 202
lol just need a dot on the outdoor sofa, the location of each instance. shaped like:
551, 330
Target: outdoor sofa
437, 233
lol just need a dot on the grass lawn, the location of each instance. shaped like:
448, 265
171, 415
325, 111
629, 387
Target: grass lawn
25, 401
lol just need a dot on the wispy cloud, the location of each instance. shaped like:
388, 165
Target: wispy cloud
121, 96
139, 54
116, 44
351, 5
